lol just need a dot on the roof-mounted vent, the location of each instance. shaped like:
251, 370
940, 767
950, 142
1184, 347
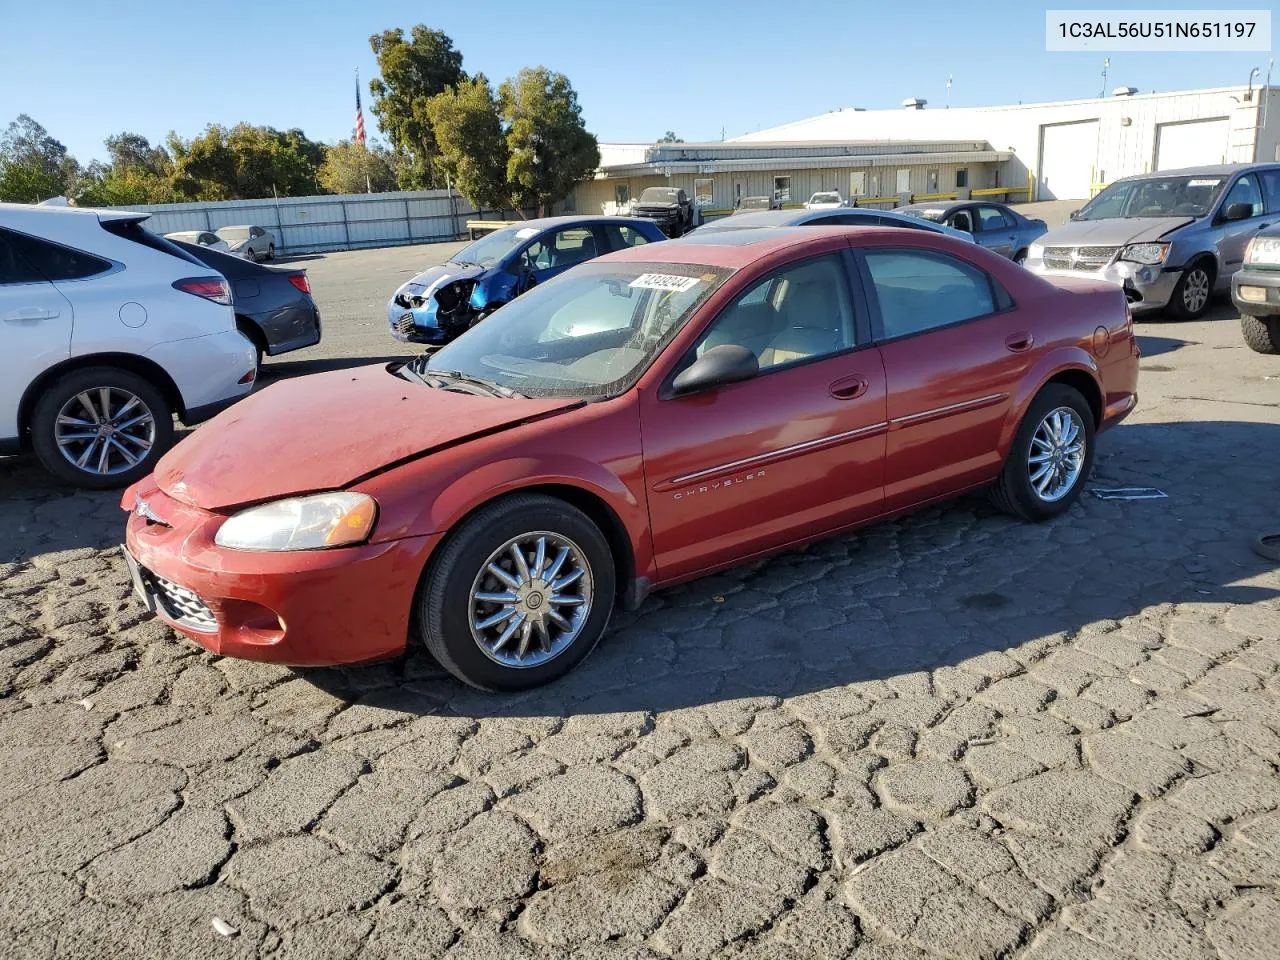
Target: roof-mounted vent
914, 103
1124, 91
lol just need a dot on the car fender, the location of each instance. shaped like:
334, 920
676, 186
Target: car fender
497, 288
1057, 361
470, 486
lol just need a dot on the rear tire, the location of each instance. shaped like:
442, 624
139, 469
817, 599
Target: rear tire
451, 608
1261, 334
271, 251
1020, 257
1015, 492
1194, 291
65, 431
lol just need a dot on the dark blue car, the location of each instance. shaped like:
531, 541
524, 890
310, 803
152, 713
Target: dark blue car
439, 304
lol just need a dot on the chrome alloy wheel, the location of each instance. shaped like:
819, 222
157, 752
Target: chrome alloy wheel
530, 600
1057, 454
105, 430
1195, 290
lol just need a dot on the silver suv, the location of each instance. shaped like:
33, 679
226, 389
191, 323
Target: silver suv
1171, 239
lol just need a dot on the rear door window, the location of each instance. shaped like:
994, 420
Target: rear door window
14, 267
993, 219
919, 291
622, 236
54, 262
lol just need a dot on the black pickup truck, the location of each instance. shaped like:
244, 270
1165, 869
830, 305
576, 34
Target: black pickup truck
668, 207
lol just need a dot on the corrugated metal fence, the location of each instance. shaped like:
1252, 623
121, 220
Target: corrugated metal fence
341, 222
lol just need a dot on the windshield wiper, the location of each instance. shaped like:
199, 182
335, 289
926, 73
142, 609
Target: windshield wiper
496, 388
406, 371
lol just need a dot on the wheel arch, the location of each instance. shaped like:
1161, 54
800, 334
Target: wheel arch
251, 329
1072, 367
593, 504
134, 363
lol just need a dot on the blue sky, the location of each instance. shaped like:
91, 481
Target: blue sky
86, 69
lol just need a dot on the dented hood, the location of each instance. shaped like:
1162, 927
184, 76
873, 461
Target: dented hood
324, 431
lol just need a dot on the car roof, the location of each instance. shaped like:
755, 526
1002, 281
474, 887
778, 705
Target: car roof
546, 223
1208, 170
11, 213
738, 248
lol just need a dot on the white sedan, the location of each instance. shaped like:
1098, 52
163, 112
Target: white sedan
825, 200
202, 238
250, 242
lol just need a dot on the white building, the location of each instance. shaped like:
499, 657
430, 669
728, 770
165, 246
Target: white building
1043, 151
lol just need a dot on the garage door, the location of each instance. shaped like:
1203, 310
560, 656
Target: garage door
1068, 155
1191, 144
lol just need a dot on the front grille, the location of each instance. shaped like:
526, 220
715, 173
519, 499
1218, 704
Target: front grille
181, 605
1078, 258
659, 213
405, 324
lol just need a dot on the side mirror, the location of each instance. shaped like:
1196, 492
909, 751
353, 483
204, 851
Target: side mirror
727, 363
1074, 215
1238, 211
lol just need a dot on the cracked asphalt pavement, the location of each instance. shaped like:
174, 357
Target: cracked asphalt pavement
950, 736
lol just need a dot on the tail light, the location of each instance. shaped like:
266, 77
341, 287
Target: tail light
208, 288
300, 281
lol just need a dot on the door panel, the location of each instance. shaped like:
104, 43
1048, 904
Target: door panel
758, 464
35, 334
951, 361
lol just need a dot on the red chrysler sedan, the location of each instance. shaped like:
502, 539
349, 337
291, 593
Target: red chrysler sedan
641, 420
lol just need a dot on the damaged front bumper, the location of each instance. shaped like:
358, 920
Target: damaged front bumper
418, 314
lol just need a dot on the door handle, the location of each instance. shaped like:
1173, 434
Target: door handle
1018, 342
29, 315
850, 388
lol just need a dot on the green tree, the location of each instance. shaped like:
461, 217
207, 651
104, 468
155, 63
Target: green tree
472, 142
347, 164
33, 165
670, 137
412, 72
550, 149
244, 162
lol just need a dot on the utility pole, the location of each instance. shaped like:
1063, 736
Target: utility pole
948, 91
1106, 65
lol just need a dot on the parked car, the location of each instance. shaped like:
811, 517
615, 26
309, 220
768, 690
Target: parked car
201, 238
495, 499
994, 225
754, 204
668, 207
250, 242
1255, 291
825, 200
442, 302
1170, 239
273, 305
847, 217
153, 335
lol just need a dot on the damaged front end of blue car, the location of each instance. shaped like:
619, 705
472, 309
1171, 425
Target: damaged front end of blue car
435, 307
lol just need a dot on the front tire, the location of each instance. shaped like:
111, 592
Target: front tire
1261, 334
101, 427
519, 594
271, 251
1051, 456
248, 255
1193, 291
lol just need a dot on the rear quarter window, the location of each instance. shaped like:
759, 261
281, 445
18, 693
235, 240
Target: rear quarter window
54, 261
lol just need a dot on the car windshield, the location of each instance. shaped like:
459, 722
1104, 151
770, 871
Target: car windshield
487, 251
660, 195
925, 213
1190, 196
590, 332
824, 198
232, 234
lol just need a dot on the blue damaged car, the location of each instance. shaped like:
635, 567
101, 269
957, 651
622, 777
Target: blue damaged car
439, 304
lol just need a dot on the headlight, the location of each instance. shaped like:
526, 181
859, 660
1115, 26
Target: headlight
1035, 251
1265, 250
301, 523
1151, 253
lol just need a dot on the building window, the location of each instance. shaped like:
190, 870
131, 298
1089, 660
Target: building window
782, 189
904, 181
702, 193
933, 181
622, 195
858, 184
962, 177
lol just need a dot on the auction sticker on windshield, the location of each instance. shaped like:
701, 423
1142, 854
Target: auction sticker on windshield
1203, 183
664, 281
527, 232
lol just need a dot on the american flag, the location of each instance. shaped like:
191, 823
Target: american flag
359, 115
